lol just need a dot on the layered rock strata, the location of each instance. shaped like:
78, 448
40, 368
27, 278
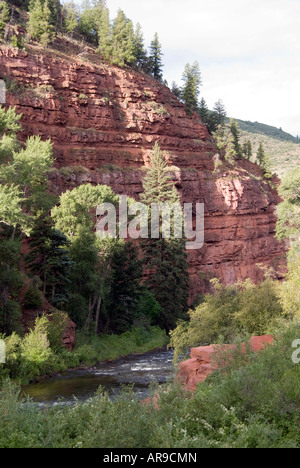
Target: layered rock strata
103, 122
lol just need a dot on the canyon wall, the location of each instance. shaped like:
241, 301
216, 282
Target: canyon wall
103, 122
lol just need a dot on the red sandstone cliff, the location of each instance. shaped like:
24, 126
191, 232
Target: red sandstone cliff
107, 119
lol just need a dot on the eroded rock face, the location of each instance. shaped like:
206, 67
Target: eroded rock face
204, 361
105, 121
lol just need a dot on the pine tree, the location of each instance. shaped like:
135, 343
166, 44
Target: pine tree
139, 47
104, 35
235, 132
39, 24
70, 17
165, 259
124, 289
220, 112
191, 89
264, 161
155, 60
4, 15
123, 50
247, 149
203, 111
49, 260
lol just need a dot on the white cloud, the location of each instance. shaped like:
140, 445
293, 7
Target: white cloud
248, 51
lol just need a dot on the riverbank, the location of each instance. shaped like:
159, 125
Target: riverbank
254, 404
31, 358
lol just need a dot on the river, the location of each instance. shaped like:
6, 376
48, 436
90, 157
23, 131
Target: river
138, 371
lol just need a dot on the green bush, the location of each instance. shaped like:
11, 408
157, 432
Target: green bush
228, 313
254, 405
35, 351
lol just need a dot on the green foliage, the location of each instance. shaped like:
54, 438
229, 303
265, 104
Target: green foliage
123, 50
288, 228
191, 89
288, 225
4, 15
255, 405
105, 35
155, 58
40, 24
49, 260
73, 213
165, 258
33, 298
17, 42
35, 351
231, 311
264, 161
70, 17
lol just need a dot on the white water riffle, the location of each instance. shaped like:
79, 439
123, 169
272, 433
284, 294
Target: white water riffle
136, 371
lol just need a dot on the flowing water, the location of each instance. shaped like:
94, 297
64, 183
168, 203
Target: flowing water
136, 371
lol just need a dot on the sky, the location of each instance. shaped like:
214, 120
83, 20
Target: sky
248, 51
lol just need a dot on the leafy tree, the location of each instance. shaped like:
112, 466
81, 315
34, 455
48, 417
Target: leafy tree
123, 47
4, 15
229, 312
191, 88
28, 170
165, 259
23, 184
155, 58
75, 217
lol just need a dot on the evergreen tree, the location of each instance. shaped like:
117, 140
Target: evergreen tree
40, 25
247, 149
176, 90
124, 289
70, 17
49, 260
235, 132
123, 49
139, 47
89, 20
203, 111
264, 161
220, 112
104, 35
165, 259
155, 61
11, 281
260, 156
191, 88
4, 15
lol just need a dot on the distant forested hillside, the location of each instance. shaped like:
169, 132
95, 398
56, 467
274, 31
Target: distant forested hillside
285, 155
267, 130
